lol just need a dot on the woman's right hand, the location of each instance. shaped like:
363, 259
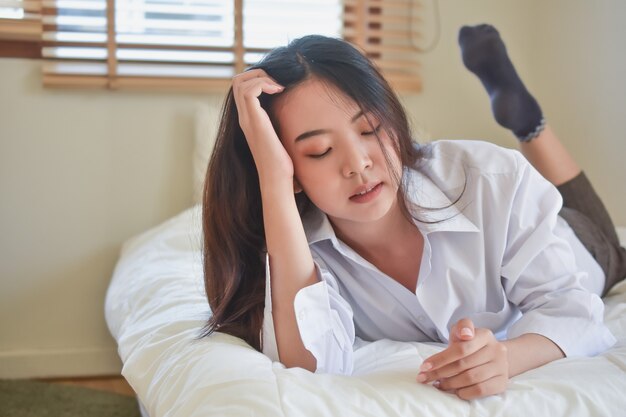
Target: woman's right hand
271, 159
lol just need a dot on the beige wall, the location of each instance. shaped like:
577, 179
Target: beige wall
571, 56
580, 72
453, 104
82, 171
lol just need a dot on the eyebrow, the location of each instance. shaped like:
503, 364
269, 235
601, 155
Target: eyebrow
315, 132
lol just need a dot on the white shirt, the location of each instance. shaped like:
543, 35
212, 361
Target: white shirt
503, 258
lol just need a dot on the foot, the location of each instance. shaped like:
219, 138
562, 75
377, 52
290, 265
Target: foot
513, 107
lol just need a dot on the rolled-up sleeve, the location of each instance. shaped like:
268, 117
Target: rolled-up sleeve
324, 320
540, 275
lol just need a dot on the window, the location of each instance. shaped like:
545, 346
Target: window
201, 44
20, 20
20, 28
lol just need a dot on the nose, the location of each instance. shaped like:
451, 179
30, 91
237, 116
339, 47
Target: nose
357, 158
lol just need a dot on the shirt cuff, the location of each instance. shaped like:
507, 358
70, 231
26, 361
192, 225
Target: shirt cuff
321, 330
313, 312
326, 332
575, 336
268, 335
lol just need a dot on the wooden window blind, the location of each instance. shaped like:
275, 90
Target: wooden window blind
20, 20
386, 31
200, 45
20, 28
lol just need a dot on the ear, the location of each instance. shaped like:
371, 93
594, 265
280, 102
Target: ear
297, 188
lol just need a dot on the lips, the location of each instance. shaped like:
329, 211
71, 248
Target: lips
363, 189
366, 192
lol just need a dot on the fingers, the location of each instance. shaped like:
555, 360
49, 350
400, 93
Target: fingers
472, 366
482, 356
464, 355
495, 385
270, 156
451, 357
453, 353
469, 377
250, 74
255, 81
247, 87
252, 89
462, 330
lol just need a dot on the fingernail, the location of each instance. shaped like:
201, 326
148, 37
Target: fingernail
436, 383
421, 377
426, 366
466, 331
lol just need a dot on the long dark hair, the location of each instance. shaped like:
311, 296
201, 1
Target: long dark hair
234, 236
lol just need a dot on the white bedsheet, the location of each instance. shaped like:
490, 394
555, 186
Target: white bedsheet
156, 305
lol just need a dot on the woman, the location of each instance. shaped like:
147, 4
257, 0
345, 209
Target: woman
324, 222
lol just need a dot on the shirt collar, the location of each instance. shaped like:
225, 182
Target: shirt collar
317, 227
420, 190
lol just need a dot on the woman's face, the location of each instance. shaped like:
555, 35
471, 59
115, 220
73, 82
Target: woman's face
336, 154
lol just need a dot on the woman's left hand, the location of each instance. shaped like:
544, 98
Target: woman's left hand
475, 364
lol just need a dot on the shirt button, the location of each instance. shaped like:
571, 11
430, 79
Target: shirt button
301, 316
420, 318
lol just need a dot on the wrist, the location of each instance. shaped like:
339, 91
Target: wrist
273, 183
543, 351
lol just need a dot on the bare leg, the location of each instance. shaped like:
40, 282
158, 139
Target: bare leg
548, 155
582, 208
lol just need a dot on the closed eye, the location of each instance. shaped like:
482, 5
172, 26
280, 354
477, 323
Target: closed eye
371, 132
321, 155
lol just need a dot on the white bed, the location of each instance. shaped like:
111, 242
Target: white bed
156, 306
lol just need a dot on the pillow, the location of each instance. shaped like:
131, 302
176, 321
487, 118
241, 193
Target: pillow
206, 125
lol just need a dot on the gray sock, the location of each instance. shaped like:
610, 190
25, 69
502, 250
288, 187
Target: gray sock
513, 107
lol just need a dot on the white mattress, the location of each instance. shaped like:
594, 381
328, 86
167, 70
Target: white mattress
156, 306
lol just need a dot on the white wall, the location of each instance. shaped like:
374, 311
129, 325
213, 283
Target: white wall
81, 171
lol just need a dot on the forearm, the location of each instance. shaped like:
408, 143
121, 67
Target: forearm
530, 351
291, 269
